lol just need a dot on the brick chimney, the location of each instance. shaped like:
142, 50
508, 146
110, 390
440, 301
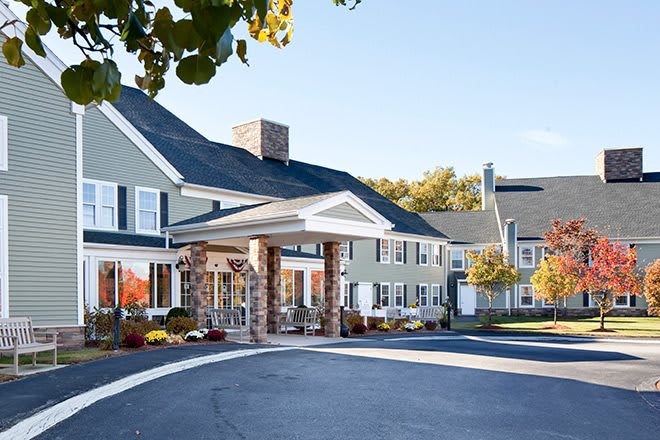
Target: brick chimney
620, 164
263, 138
488, 187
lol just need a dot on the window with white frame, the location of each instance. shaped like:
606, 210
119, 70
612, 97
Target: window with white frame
435, 254
345, 250
526, 296
469, 260
123, 282
4, 143
398, 294
424, 254
435, 295
423, 295
385, 295
99, 204
622, 301
147, 210
346, 295
385, 251
398, 251
457, 256
526, 256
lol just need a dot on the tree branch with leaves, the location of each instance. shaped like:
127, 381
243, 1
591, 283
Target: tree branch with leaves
555, 279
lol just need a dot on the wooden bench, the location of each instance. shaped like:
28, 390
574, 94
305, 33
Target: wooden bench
18, 337
227, 319
429, 313
299, 317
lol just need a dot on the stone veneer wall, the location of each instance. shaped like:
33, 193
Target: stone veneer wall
274, 293
263, 138
68, 337
332, 286
619, 164
258, 267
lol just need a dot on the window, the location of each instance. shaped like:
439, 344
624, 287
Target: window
398, 252
526, 296
423, 295
526, 256
317, 288
435, 259
345, 250
398, 295
385, 251
469, 261
346, 297
436, 295
385, 295
457, 259
4, 143
147, 208
424, 254
99, 205
293, 287
622, 301
124, 282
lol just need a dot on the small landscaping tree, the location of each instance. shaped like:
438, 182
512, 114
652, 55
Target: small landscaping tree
555, 278
612, 273
571, 239
652, 288
491, 274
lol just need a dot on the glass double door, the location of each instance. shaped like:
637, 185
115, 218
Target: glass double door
228, 290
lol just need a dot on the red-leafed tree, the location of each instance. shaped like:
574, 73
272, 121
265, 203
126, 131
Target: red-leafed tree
613, 273
571, 239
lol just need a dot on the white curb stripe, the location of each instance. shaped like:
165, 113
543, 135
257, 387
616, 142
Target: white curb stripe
46, 419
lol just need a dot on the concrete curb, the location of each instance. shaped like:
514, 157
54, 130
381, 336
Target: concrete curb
649, 392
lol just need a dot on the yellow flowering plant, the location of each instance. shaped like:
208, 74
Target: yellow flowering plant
156, 337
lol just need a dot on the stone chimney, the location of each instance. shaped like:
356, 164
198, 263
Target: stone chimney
620, 164
488, 187
263, 138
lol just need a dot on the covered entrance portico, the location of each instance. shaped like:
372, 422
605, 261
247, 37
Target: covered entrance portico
263, 229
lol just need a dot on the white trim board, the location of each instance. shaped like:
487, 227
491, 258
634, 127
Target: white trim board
4, 256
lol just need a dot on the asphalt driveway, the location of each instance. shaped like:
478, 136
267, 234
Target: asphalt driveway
379, 389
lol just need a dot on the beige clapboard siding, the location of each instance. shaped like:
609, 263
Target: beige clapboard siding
110, 156
41, 185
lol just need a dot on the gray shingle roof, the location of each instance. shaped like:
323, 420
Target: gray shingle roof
213, 164
466, 226
616, 209
230, 215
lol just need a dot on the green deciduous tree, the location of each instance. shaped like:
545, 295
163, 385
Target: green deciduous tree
491, 274
197, 43
555, 278
652, 288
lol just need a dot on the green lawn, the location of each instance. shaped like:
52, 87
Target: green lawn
63, 357
643, 327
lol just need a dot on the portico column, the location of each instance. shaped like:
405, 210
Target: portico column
198, 291
258, 268
332, 286
274, 287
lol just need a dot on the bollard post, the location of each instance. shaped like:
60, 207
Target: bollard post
343, 328
115, 341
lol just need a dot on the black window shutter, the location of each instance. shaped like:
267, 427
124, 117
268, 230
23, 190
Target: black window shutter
377, 250
418, 253
440, 250
318, 248
417, 295
164, 210
585, 299
350, 295
122, 212
405, 252
216, 205
405, 295
633, 301
350, 250
378, 294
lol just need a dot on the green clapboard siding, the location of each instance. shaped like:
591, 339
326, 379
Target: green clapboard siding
109, 155
344, 211
41, 187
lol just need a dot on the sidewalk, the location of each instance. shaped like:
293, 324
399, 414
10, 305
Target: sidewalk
26, 396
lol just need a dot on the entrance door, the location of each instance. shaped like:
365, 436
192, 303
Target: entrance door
468, 299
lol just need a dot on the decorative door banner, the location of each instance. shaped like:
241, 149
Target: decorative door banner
237, 264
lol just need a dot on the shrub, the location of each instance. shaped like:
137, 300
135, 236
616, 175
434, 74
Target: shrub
372, 323
134, 340
410, 327
216, 335
353, 319
175, 340
176, 312
181, 325
359, 329
383, 327
399, 323
106, 344
155, 337
136, 311
430, 325
419, 324
127, 327
194, 336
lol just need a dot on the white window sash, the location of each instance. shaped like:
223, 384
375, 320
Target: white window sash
520, 293
398, 254
138, 228
398, 294
383, 295
521, 258
452, 259
423, 253
98, 205
385, 254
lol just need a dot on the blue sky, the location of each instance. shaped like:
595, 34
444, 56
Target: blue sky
395, 88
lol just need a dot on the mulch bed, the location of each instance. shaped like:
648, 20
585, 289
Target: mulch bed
556, 327
603, 330
490, 327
